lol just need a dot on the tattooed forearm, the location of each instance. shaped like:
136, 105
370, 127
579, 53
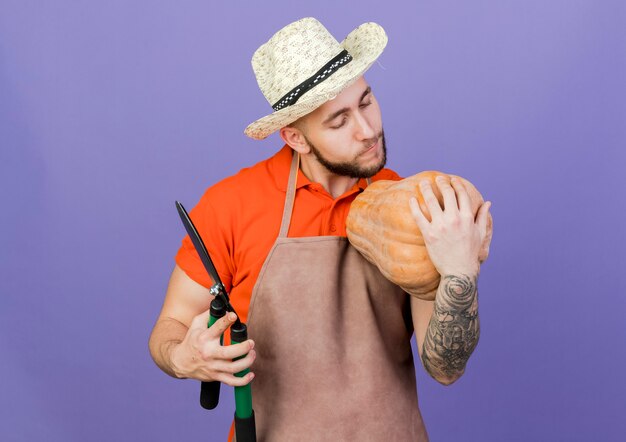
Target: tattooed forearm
454, 328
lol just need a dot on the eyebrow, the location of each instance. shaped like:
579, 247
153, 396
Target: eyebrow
334, 115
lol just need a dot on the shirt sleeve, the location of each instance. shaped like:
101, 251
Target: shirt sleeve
388, 174
215, 228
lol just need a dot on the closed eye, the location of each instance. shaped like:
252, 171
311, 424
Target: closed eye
334, 115
343, 121
345, 118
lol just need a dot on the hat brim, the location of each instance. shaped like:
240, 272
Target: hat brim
365, 44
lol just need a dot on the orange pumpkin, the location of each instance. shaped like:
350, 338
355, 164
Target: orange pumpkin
381, 226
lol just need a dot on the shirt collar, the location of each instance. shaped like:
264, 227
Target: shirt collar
280, 164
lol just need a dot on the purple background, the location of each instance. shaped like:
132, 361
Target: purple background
110, 111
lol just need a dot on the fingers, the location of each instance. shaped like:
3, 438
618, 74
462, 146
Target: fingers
432, 203
220, 326
234, 351
449, 198
465, 205
237, 366
225, 369
481, 218
235, 381
420, 218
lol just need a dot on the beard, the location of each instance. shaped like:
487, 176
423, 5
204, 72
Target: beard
351, 168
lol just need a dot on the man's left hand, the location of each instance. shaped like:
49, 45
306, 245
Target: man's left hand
453, 237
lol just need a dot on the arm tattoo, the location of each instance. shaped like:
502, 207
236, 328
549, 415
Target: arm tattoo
454, 328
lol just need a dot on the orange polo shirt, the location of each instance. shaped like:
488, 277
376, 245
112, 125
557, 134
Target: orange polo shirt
239, 221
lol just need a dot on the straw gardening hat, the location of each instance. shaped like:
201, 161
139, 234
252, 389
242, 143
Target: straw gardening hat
302, 66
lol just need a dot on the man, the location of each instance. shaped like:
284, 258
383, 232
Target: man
330, 336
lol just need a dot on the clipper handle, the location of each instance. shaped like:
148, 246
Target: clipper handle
210, 391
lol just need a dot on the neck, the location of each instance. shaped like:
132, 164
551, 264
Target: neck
335, 185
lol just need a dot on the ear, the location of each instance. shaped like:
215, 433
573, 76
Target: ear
294, 137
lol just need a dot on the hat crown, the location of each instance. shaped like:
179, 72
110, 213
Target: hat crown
291, 56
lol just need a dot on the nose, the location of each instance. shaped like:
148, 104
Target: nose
365, 130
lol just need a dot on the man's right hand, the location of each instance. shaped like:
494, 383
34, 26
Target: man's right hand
201, 356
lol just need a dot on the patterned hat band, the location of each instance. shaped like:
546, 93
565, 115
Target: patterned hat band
326, 71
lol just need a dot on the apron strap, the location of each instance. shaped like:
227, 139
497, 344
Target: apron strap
291, 194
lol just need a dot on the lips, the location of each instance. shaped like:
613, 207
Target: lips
372, 147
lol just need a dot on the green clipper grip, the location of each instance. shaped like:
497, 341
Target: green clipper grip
245, 428
210, 391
